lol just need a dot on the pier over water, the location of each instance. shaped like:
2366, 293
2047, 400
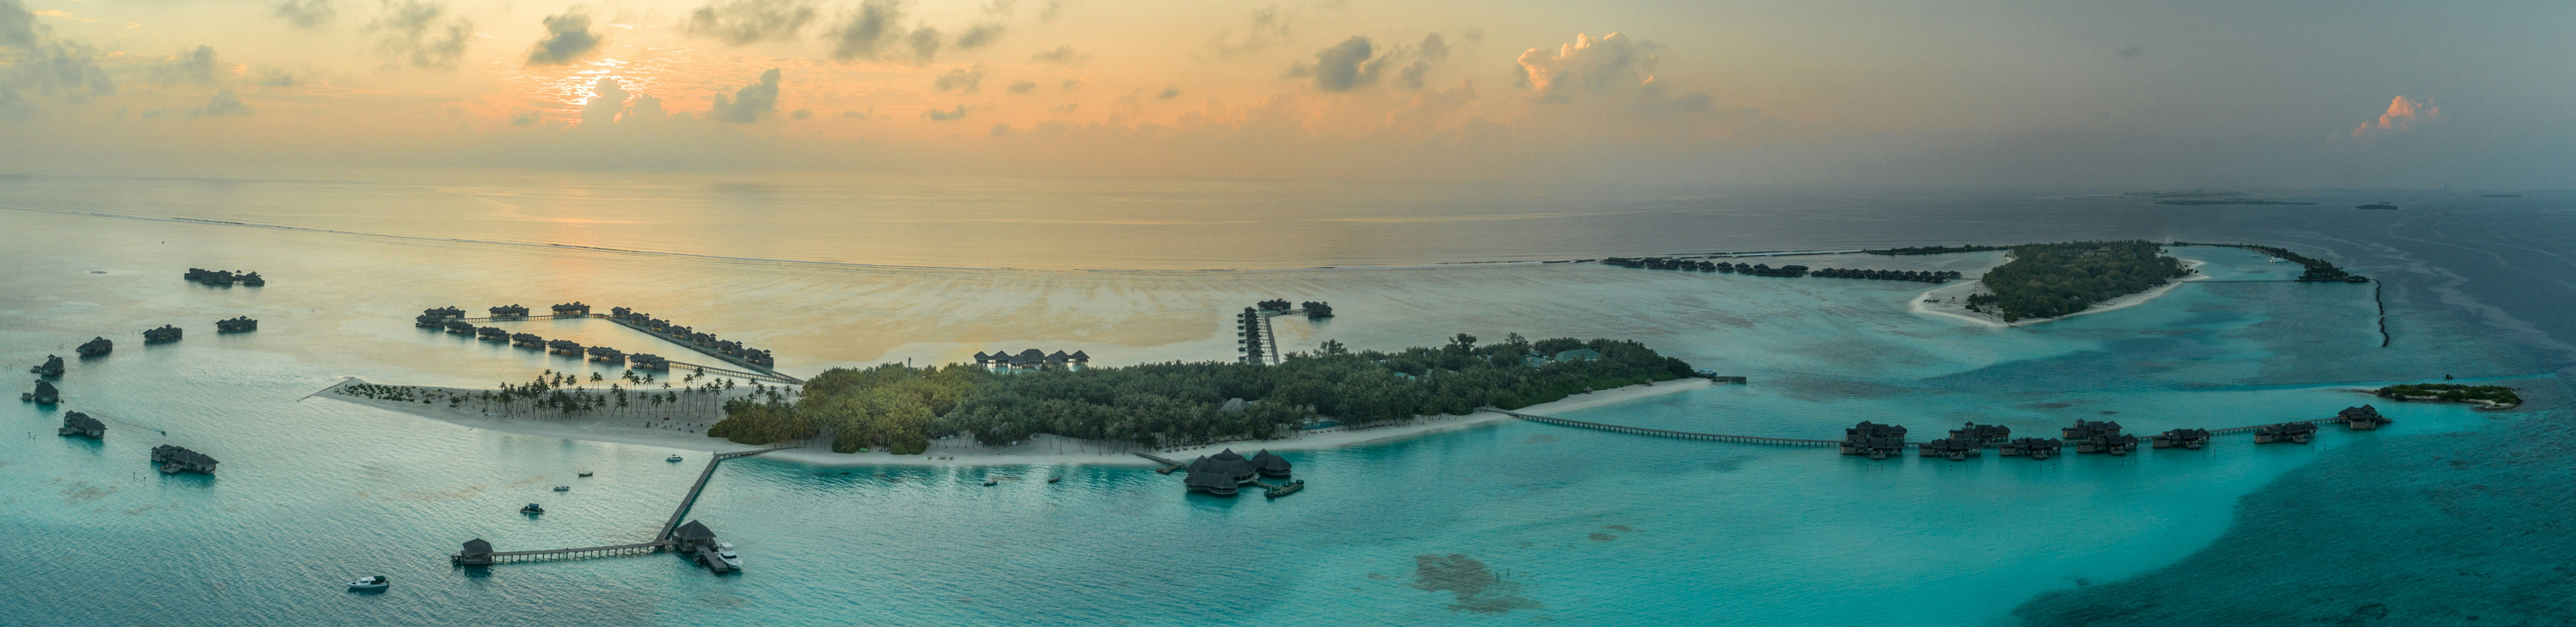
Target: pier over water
478, 552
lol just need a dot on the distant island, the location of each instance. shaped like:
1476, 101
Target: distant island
2191, 193
2499, 195
2052, 280
2317, 269
2229, 201
1934, 250
900, 408
2492, 396
2377, 205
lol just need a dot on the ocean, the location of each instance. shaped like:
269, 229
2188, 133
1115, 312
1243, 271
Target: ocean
2448, 514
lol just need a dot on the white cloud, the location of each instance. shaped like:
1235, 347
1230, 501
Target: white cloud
2402, 117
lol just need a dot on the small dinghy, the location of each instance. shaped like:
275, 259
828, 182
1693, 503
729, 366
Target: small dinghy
989, 482
532, 508
377, 582
673, 458
1054, 479
563, 488
584, 473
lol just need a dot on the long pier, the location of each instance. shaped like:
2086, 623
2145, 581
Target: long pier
661, 540
701, 486
757, 371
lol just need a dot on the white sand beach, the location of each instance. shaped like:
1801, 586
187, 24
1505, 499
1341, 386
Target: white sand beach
686, 430
1950, 301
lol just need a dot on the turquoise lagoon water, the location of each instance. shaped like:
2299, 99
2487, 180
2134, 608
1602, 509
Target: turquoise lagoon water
1568, 526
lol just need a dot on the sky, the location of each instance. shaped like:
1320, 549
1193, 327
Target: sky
2284, 94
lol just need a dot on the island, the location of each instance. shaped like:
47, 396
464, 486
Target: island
900, 408
2499, 195
1934, 250
2490, 396
2377, 205
2229, 201
2053, 280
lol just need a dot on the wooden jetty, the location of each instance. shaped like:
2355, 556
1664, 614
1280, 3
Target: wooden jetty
479, 552
1168, 465
1662, 433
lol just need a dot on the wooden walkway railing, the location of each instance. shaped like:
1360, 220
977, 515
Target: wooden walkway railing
701, 486
1661, 433
580, 553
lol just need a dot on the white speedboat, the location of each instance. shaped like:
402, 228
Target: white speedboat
724, 551
377, 582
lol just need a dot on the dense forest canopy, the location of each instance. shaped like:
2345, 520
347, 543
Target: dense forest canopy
900, 407
2497, 394
2051, 280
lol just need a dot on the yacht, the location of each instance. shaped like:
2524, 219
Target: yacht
377, 582
724, 551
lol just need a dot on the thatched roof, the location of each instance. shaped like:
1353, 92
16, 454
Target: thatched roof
477, 546
693, 531
1264, 460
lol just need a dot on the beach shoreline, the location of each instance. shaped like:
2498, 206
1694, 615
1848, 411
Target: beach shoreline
1960, 290
688, 432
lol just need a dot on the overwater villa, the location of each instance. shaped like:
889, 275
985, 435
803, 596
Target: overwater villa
1275, 304
95, 346
253, 280
80, 424
236, 325
575, 308
45, 394
1219, 474
166, 333
493, 334
477, 553
1270, 465
1316, 309
529, 340
2363, 418
53, 367
1027, 360
1878, 441
2293, 432
443, 312
606, 354
2099, 437
1982, 435
648, 361
1926, 276
2034, 448
2186, 438
564, 347
174, 460
699, 543
1955, 448
513, 310
427, 321
460, 327
224, 277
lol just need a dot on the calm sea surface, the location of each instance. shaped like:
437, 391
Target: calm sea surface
2450, 516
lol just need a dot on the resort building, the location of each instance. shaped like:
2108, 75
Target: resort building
564, 347
53, 367
253, 280
2293, 432
1219, 474
174, 460
493, 334
2099, 437
1270, 465
529, 340
2363, 418
236, 325
575, 308
510, 311
1955, 448
443, 312
80, 424
166, 333
2186, 438
1316, 310
95, 346
1028, 360
45, 394
1878, 441
1982, 435
2035, 448
606, 354
460, 327
648, 361
427, 321
477, 553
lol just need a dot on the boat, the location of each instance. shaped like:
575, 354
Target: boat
563, 488
377, 582
1285, 490
989, 482
532, 508
724, 551
673, 458
1054, 479
584, 473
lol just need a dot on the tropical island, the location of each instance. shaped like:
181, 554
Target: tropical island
901, 408
2377, 205
2317, 269
1934, 250
2499, 195
2229, 201
2053, 280
2492, 396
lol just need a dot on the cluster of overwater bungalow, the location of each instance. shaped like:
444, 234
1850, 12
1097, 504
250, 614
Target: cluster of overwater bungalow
1881, 441
225, 278
665, 328
1676, 263
1926, 276
1221, 474
446, 318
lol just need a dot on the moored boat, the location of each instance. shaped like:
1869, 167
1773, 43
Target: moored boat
532, 508
377, 582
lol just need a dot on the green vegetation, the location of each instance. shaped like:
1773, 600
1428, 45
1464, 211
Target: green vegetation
1933, 250
2454, 392
2051, 280
2191, 193
2377, 205
2318, 269
2229, 201
1177, 403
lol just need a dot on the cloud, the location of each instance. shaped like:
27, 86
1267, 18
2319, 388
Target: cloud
1169, 93
525, 118
960, 79
413, 33
223, 104
275, 77
855, 115
752, 102
802, 114
607, 99
1473, 35
1052, 10
936, 115
194, 67
1269, 25
1343, 67
43, 66
2402, 117
306, 14
1001, 130
873, 25
1589, 64
568, 38
1022, 87
925, 43
979, 35
18, 27
746, 21
1061, 54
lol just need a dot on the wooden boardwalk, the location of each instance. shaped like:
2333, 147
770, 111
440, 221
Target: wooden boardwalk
1679, 435
756, 369
701, 486
661, 540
